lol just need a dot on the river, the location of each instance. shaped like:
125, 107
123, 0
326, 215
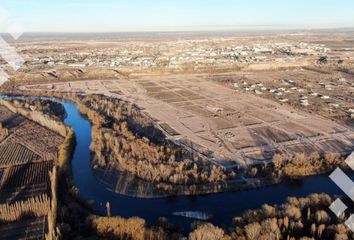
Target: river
222, 206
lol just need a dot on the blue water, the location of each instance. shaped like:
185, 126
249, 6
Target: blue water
223, 206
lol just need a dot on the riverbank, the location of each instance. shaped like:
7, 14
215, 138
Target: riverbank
128, 185
123, 182
148, 179
223, 206
57, 144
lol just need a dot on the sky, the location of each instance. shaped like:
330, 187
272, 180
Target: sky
174, 15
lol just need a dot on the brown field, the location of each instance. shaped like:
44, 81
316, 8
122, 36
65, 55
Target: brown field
201, 114
27, 174
27, 154
16, 154
31, 229
1, 174
5, 114
302, 148
38, 139
306, 80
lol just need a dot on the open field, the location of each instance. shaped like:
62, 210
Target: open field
14, 154
248, 96
25, 181
323, 90
27, 155
117, 56
31, 229
229, 127
249, 100
38, 139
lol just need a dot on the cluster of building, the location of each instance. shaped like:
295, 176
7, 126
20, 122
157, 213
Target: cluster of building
292, 93
172, 55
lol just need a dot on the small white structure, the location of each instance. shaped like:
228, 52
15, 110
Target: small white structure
214, 109
304, 103
333, 105
77, 65
325, 97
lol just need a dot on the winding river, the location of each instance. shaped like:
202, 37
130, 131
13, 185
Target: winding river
222, 206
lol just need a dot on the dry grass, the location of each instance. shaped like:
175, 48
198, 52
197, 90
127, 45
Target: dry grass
119, 228
37, 117
42, 205
52, 214
207, 232
65, 151
300, 164
36, 206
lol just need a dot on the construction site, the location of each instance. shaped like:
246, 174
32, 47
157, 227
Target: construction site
229, 127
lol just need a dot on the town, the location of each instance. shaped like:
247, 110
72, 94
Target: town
198, 135
167, 54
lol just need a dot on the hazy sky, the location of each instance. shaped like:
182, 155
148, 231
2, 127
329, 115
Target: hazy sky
147, 15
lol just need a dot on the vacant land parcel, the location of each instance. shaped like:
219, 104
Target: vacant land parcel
229, 127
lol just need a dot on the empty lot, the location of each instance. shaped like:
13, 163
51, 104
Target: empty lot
227, 126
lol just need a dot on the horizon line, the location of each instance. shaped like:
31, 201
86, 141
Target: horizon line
228, 29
